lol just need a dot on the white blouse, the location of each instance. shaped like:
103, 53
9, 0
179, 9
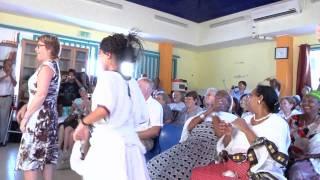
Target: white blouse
274, 129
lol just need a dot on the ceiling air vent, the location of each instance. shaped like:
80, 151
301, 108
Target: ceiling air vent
276, 10
228, 21
171, 21
108, 3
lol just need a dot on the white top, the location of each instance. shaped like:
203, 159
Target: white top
6, 86
293, 112
114, 143
275, 129
155, 115
177, 106
224, 116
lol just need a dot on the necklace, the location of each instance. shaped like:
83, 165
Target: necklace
261, 119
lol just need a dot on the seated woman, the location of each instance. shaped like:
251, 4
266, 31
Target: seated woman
305, 134
199, 148
80, 108
264, 135
191, 108
287, 107
163, 99
244, 109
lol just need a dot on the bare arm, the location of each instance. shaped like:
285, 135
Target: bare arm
14, 82
44, 77
96, 115
78, 83
195, 121
152, 132
82, 131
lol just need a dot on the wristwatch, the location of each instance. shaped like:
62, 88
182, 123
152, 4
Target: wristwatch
202, 116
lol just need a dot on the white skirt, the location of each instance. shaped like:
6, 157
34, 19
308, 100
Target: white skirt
109, 157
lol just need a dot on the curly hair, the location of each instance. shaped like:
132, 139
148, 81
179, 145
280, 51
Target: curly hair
124, 48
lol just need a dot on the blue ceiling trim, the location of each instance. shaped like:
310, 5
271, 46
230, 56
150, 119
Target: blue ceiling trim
201, 10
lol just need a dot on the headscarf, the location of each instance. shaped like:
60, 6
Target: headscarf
315, 94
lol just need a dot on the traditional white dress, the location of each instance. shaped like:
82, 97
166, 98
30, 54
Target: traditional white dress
274, 129
116, 151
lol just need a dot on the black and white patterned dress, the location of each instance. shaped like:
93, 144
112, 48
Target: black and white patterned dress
39, 144
177, 162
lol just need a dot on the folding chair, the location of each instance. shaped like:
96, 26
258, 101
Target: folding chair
11, 118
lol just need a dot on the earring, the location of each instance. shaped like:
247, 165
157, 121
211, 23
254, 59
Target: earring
259, 101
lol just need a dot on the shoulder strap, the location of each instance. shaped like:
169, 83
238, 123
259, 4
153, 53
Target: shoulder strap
276, 155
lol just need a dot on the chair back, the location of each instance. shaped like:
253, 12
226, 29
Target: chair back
169, 136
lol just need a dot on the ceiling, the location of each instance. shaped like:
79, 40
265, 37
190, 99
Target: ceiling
202, 10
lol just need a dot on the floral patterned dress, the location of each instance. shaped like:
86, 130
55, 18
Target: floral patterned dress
39, 144
305, 140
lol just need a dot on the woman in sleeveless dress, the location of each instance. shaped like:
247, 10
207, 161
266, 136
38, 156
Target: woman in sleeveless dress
38, 152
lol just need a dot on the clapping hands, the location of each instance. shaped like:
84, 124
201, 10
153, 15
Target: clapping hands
221, 127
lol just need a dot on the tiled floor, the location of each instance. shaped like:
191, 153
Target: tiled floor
7, 163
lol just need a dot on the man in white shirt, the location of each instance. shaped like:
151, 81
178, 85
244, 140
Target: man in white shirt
7, 83
150, 130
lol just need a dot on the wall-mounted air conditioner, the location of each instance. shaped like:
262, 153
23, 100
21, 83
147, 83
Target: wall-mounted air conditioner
274, 10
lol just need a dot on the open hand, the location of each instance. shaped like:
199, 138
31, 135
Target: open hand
225, 128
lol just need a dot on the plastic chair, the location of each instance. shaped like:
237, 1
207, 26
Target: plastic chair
170, 136
154, 151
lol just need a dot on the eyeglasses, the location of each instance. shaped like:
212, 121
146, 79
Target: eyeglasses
39, 45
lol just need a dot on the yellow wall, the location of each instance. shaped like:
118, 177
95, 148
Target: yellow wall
58, 28
188, 65
252, 63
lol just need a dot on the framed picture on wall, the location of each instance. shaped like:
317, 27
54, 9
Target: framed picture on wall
281, 53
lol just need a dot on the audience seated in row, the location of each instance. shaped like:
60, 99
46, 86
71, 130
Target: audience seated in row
264, 135
163, 99
198, 145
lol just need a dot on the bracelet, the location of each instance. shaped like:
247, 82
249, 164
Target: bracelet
82, 121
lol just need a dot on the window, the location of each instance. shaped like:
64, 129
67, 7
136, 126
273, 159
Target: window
315, 66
